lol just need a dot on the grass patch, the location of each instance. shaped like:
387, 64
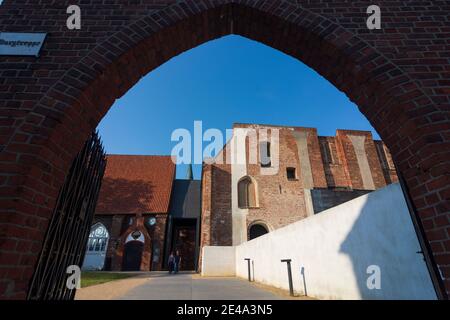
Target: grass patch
91, 278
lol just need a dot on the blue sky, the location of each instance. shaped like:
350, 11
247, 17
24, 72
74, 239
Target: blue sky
227, 80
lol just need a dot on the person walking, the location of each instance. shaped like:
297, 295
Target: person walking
177, 261
171, 262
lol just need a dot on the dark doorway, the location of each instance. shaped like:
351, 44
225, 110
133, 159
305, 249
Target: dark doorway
184, 240
256, 231
132, 256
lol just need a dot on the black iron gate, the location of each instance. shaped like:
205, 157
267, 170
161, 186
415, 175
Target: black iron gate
65, 241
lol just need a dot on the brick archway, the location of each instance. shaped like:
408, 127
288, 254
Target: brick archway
398, 76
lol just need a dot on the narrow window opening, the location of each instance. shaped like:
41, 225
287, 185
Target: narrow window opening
265, 154
291, 174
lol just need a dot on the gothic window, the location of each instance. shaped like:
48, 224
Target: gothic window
98, 238
247, 193
97, 247
264, 154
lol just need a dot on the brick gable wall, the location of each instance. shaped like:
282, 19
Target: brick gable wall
333, 165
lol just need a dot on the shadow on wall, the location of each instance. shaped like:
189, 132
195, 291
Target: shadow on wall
124, 196
395, 267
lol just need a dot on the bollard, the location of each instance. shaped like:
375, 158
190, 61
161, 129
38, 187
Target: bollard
291, 287
249, 273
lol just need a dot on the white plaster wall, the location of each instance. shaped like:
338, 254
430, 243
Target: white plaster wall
238, 170
335, 247
218, 261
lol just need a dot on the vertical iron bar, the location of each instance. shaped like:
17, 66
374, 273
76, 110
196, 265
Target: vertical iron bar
65, 240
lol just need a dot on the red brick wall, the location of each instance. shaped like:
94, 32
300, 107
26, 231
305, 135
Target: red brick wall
351, 163
334, 163
119, 229
153, 235
387, 165
398, 76
216, 205
281, 201
341, 168
157, 235
315, 157
220, 230
205, 225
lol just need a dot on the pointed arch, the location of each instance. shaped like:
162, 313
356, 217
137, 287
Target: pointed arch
96, 248
50, 125
248, 193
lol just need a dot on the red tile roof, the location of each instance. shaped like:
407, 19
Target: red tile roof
136, 184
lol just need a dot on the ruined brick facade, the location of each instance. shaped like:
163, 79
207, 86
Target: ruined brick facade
121, 226
349, 164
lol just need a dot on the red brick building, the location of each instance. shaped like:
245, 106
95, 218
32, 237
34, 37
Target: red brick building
285, 174
139, 213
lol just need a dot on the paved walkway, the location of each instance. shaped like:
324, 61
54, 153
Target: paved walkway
162, 286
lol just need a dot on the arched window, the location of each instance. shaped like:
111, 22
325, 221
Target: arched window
96, 248
98, 238
247, 193
257, 230
265, 154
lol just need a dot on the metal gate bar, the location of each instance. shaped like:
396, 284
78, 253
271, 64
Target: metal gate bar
68, 231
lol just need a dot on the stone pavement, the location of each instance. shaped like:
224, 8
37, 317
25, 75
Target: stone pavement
183, 286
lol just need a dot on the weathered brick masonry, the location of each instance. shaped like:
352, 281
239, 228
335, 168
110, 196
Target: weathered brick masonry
399, 77
336, 175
